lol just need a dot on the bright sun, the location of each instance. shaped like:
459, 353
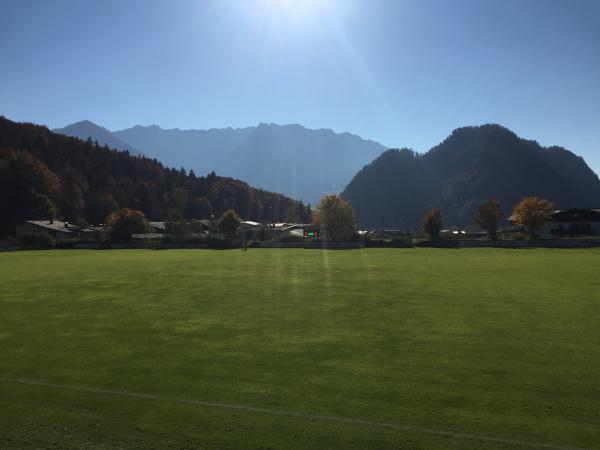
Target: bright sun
297, 6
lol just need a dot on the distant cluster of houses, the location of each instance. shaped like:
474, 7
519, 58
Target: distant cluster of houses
57, 229
563, 223
158, 230
65, 230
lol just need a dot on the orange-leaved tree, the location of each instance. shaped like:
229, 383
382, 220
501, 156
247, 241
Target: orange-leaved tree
531, 214
122, 223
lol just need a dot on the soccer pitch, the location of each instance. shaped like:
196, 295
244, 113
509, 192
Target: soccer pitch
375, 348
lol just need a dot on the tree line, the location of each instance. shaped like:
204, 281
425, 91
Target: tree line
530, 215
338, 219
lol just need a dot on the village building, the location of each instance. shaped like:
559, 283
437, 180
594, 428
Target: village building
572, 223
158, 227
51, 227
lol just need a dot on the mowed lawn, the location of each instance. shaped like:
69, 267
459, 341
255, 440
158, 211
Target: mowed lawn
378, 348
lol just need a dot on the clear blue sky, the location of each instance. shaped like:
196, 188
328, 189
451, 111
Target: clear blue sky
404, 73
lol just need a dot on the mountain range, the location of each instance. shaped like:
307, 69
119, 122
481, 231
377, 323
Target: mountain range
296, 161
388, 188
86, 129
471, 165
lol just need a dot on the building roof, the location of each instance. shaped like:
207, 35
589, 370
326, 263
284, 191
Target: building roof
54, 225
571, 215
292, 227
576, 215
204, 222
158, 225
249, 223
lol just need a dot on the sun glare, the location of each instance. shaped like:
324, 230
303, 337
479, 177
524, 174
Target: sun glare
297, 8
296, 4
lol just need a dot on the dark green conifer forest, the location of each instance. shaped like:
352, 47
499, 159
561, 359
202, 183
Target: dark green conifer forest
44, 175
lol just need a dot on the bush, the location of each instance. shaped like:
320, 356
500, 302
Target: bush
401, 243
193, 239
37, 242
65, 245
215, 242
355, 237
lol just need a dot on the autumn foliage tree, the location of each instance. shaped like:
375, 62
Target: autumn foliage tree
531, 214
336, 218
122, 223
432, 222
229, 223
28, 189
488, 216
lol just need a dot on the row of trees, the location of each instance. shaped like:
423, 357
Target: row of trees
530, 214
335, 216
337, 219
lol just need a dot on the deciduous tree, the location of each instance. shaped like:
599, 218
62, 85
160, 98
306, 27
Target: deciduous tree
28, 189
336, 217
432, 222
488, 216
229, 223
122, 223
531, 214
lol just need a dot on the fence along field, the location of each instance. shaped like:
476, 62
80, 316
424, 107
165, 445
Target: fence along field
426, 348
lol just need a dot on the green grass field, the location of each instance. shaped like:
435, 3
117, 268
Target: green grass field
381, 348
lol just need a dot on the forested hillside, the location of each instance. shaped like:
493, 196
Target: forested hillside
44, 174
470, 166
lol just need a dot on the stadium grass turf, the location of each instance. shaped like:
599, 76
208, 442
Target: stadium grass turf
500, 344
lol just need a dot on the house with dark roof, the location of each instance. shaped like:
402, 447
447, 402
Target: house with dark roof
573, 222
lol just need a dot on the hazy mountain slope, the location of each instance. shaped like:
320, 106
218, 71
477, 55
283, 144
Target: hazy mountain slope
86, 129
301, 163
193, 149
290, 159
470, 166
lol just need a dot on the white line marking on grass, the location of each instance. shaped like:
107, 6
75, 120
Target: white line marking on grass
280, 412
